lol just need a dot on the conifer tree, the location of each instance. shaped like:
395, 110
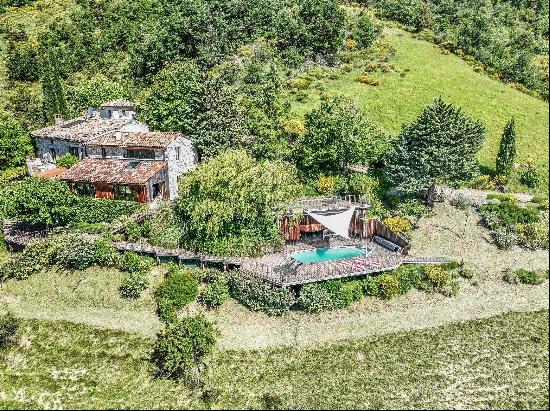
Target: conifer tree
438, 147
507, 150
54, 101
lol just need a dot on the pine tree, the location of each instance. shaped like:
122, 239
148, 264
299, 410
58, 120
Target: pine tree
507, 150
438, 147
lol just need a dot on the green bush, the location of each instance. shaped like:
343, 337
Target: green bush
508, 214
133, 284
371, 286
36, 256
77, 252
408, 277
133, 262
180, 349
214, 293
533, 236
529, 175
450, 289
523, 276
9, 325
389, 286
259, 295
315, 298
177, 290
105, 253
66, 160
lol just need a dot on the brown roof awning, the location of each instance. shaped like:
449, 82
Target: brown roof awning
134, 172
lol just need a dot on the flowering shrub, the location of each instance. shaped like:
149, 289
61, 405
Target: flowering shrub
371, 81
388, 286
437, 276
398, 224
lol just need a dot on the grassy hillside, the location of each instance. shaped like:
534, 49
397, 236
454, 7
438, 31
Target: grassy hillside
427, 74
501, 362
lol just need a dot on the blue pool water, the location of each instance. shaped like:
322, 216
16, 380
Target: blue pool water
327, 254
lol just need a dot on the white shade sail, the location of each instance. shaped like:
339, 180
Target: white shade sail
337, 223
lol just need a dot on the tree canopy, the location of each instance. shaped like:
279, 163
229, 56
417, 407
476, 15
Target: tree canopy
336, 136
15, 144
440, 146
228, 203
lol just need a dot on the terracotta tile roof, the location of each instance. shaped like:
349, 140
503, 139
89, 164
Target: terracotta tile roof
117, 103
82, 130
156, 139
51, 173
113, 171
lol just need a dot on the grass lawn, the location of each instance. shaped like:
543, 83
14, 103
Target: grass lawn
501, 362
429, 73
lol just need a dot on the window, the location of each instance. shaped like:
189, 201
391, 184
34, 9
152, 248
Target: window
53, 153
74, 151
103, 152
141, 154
125, 192
109, 113
85, 189
178, 153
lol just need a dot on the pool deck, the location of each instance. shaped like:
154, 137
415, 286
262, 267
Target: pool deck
282, 270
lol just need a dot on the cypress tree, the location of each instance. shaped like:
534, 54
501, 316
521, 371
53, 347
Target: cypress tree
440, 146
507, 150
53, 98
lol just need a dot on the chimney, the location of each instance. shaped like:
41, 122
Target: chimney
118, 135
58, 119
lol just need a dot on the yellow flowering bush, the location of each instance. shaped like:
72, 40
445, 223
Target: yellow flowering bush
371, 81
437, 275
293, 127
398, 224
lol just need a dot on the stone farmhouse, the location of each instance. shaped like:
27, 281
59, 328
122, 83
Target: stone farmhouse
119, 157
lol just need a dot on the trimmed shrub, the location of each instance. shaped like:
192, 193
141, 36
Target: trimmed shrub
9, 325
177, 290
214, 293
389, 286
180, 349
259, 295
133, 284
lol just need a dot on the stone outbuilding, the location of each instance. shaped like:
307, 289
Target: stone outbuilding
113, 133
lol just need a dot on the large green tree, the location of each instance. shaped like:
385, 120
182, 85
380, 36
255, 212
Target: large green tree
200, 104
507, 149
229, 203
337, 136
440, 146
15, 144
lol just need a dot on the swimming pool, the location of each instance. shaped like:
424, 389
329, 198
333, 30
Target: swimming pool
327, 254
